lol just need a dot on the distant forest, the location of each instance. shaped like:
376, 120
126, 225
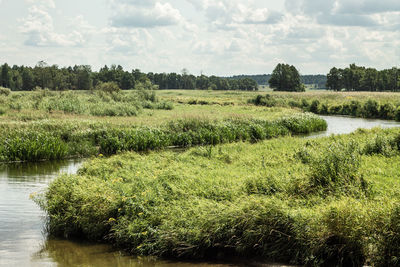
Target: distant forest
359, 78
319, 80
81, 77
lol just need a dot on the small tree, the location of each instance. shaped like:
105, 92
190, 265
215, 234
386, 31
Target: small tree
334, 79
286, 78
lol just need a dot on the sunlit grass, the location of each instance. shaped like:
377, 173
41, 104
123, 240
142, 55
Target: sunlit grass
241, 199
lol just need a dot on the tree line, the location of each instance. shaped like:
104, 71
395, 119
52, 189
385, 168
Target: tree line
82, 77
359, 78
318, 81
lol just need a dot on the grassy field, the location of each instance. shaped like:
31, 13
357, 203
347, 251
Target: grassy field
70, 128
242, 97
357, 104
324, 201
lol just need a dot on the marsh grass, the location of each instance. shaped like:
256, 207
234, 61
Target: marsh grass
39, 140
201, 204
95, 103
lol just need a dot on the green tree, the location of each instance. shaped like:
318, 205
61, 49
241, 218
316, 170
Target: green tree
84, 81
5, 76
334, 79
28, 82
369, 81
285, 77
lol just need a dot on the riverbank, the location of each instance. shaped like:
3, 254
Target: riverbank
329, 200
371, 106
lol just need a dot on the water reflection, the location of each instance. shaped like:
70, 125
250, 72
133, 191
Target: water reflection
346, 125
21, 220
68, 253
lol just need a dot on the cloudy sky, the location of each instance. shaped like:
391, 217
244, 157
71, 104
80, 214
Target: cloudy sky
221, 37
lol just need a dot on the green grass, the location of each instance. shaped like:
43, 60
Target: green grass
95, 103
357, 104
323, 201
43, 125
55, 140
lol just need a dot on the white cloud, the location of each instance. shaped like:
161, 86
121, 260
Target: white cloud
220, 37
42, 3
344, 12
38, 27
135, 14
228, 15
367, 6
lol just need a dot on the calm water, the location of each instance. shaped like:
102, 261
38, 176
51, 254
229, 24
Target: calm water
22, 238
345, 125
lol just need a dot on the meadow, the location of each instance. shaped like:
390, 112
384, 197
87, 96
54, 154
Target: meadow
372, 105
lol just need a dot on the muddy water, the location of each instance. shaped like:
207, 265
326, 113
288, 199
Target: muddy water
23, 241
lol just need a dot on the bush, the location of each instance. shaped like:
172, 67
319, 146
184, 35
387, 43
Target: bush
266, 100
108, 87
387, 111
5, 91
355, 108
314, 106
371, 109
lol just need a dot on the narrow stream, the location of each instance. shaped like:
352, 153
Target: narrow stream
23, 241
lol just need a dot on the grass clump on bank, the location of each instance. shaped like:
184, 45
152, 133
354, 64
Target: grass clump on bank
318, 202
39, 141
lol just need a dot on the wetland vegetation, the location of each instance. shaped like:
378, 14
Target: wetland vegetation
243, 185
323, 201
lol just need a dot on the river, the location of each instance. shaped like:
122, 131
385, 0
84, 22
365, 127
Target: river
23, 241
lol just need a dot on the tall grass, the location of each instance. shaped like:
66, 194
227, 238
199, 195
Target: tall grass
240, 199
195, 131
96, 102
41, 140
32, 146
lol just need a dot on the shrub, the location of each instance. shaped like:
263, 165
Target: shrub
108, 87
387, 111
146, 85
304, 103
371, 109
5, 91
355, 108
335, 109
397, 114
314, 106
266, 100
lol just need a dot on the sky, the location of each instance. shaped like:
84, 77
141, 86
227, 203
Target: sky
213, 37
